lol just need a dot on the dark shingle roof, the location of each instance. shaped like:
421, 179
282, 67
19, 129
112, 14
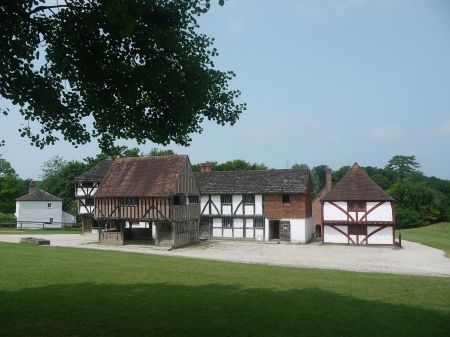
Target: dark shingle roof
357, 185
97, 173
39, 195
141, 177
270, 181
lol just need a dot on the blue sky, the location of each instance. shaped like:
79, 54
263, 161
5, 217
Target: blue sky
326, 82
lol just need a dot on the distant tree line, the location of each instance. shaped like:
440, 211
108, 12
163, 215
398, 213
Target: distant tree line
419, 199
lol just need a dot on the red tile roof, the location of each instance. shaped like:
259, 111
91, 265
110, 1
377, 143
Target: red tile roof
141, 177
357, 185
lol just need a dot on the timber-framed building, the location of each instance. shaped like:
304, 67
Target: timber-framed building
264, 205
159, 191
357, 211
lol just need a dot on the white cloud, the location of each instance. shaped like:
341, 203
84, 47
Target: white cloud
388, 133
308, 122
441, 131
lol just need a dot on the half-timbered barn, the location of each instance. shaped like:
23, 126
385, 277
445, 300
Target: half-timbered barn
85, 187
358, 212
156, 190
263, 205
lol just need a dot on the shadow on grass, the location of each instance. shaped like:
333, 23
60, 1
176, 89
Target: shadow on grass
207, 310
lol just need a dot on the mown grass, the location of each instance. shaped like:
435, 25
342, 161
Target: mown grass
55, 291
437, 236
70, 230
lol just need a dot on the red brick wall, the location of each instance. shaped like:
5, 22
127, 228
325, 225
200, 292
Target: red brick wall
297, 208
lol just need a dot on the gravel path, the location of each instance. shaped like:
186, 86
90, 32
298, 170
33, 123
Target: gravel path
412, 259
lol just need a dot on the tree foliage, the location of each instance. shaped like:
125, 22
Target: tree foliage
402, 166
299, 166
11, 187
57, 176
138, 68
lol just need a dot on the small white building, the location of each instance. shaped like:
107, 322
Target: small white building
39, 207
358, 212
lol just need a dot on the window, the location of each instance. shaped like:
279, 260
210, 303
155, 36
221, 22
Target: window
87, 184
133, 202
353, 206
51, 220
89, 202
49, 205
227, 222
248, 198
360, 230
286, 198
258, 223
193, 199
226, 199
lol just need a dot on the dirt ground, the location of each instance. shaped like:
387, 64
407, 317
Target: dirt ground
412, 258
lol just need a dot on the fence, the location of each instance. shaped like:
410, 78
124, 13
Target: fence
37, 224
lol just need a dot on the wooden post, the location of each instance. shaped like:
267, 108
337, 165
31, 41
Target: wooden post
399, 239
43, 225
21, 225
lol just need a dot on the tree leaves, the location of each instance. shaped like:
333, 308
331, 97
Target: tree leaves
137, 67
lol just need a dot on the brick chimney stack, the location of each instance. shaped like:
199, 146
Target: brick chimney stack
32, 186
206, 167
329, 181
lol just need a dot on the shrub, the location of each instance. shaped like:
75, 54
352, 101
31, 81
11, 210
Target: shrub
7, 220
406, 218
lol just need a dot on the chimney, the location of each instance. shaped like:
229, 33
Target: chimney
32, 186
329, 181
206, 167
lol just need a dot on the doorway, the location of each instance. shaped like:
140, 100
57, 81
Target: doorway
318, 231
274, 229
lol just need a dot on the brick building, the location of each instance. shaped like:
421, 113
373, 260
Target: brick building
317, 206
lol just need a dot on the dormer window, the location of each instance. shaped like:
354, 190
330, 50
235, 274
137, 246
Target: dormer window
356, 206
286, 199
87, 184
49, 205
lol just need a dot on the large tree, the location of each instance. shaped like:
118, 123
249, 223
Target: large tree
402, 166
10, 187
139, 68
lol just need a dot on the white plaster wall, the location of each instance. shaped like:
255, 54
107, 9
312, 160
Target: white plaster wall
249, 209
80, 192
333, 236
297, 230
383, 237
226, 209
353, 215
38, 211
381, 213
331, 212
238, 233
203, 202
259, 231
238, 222
216, 200
227, 232
68, 218
258, 204
217, 222
249, 233
217, 232
237, 198
249, 223
266, 230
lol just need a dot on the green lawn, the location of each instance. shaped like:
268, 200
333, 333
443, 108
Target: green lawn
437, 236
75, 230
55, 291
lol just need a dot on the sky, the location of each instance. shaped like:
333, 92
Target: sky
326, 82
